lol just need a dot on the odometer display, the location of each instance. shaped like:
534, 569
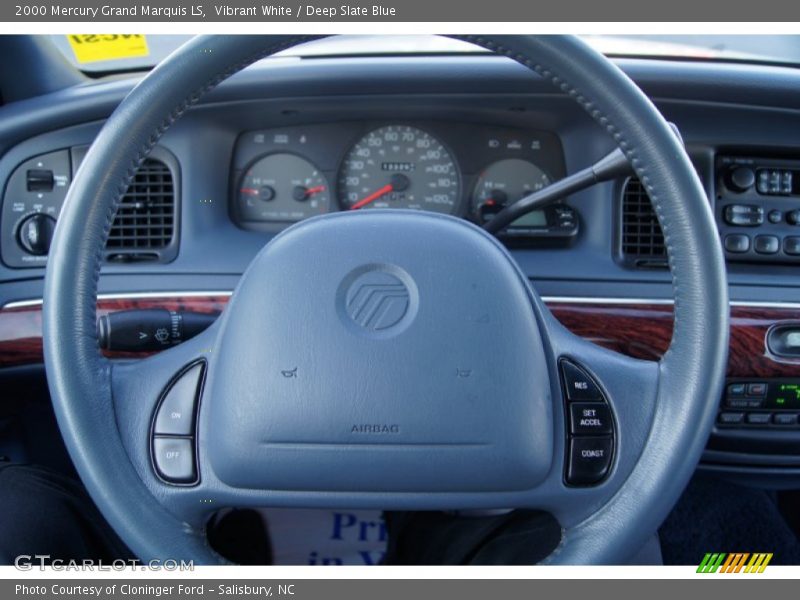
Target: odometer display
399, 166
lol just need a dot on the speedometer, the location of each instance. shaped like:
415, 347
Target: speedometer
399, 166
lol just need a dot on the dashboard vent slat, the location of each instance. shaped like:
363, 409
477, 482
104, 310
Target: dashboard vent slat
145, 219
642, 238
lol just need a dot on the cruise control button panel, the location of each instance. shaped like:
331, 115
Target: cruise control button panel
590, 427
173, 431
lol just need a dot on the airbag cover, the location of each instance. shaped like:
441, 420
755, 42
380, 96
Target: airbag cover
380, 351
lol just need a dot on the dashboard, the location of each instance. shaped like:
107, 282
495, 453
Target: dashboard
284, 175
290, 138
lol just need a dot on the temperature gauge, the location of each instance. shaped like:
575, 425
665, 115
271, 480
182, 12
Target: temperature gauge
282, 188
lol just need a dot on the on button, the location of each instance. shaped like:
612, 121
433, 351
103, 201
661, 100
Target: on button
176, 413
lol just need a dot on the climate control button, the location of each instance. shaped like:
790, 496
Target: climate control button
785, 419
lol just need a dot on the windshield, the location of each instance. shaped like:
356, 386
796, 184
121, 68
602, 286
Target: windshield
137, 52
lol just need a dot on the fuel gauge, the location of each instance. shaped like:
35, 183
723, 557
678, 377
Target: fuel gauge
282, 188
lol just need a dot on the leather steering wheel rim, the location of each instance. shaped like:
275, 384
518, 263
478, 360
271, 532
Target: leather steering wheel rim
689, 376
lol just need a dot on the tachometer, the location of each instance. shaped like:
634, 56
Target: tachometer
399, 166
282, 187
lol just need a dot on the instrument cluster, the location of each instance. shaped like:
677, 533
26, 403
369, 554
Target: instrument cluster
281, 176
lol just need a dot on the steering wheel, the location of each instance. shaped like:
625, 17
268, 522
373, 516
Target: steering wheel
387, 359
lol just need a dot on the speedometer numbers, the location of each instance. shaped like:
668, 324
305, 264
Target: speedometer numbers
398, 166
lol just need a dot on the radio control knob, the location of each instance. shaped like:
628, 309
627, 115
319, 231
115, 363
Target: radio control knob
741, 179
35, 234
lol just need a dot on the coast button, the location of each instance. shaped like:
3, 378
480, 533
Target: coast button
589, 459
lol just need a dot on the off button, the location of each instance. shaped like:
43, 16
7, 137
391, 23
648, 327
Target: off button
589, 418
174, 459
589, 459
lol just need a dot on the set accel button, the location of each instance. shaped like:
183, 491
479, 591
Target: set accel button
589, 418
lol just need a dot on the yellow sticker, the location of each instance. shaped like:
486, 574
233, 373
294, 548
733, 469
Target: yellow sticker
93, 47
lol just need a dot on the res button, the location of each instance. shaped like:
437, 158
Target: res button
579, 385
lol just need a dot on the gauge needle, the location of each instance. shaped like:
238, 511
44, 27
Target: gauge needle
373, 196
249, 191
315, 190
301, 193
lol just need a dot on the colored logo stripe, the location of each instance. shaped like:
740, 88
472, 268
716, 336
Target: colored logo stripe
758, 563
734, 562
711, 563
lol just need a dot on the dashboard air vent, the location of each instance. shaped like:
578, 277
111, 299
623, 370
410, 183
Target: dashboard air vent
144, 227
642, 239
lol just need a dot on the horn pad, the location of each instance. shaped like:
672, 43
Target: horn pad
380, 351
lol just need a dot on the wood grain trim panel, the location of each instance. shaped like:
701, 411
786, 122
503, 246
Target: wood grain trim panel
637, 330
644, 331
21, 328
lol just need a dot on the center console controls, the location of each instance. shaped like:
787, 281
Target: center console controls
773, 403
758, 208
